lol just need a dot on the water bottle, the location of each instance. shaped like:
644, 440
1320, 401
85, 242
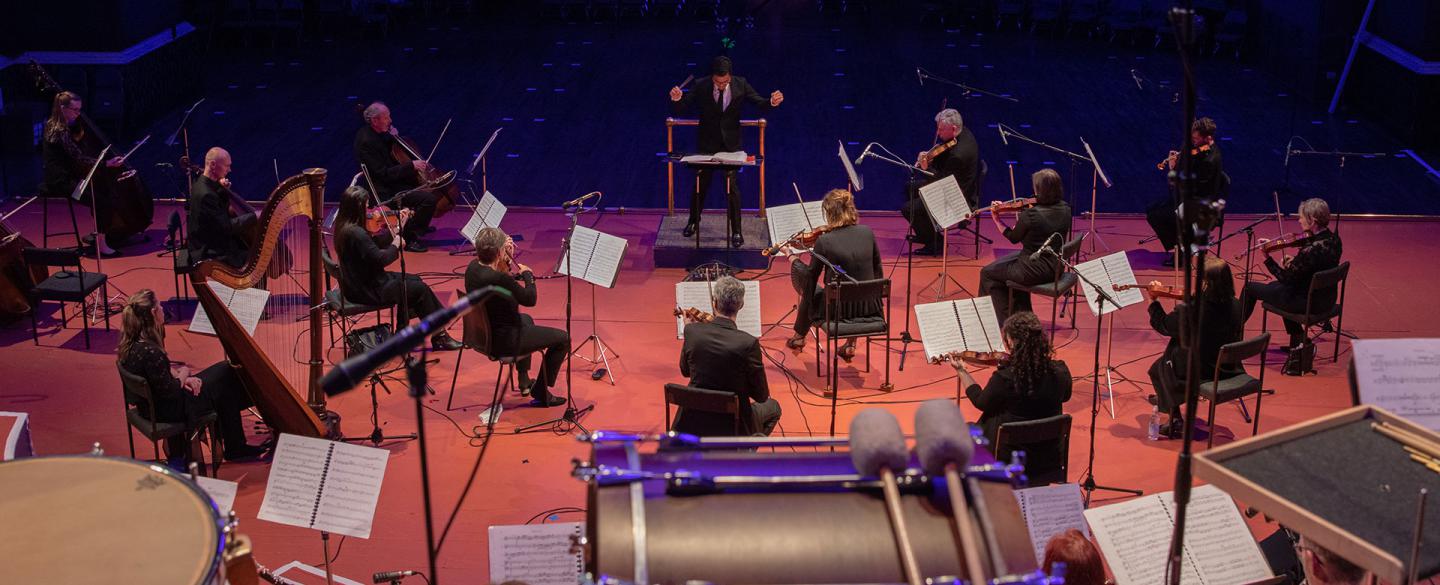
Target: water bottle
1154, 432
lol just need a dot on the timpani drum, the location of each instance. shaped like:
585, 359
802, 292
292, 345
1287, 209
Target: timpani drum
87, 519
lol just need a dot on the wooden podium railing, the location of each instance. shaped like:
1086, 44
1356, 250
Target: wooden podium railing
671, 123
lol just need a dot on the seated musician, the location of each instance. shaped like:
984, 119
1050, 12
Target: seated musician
1220, 324
66, 164
180, 395
1029, 385
1209, 169
846, 244
374, 148
1319, 250
1034, 226
513, 333
363, 258
960, 159
719, 356
214, 231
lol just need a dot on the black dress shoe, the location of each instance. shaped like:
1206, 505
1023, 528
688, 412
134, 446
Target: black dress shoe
416, 247
913, 238
1153, 400
547, 402
927, 251
737, 241
690, 229
243, 453
443, 342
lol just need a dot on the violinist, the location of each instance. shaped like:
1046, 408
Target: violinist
363, 258
66, 164
959, 156
1209, 171
1220, 324
215, 231
374, 148
1319, 249
719, 356
1027, 386
846, 244
1034, 226
513, 333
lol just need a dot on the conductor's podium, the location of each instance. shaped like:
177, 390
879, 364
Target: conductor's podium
674, 250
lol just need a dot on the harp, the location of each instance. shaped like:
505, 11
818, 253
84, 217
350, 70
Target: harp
280, 365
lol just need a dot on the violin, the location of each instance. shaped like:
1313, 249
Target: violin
1159, 291
979, 358
1294, 240
803, 239
1004, 206
924, 159
384, 218
1169, 159
694, 315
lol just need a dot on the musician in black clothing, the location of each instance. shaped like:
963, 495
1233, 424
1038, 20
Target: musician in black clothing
1220, 324
374, 150
1029, 385
1209, 171
214, 232
719, 104
846, 244
719, 356
66, 164
1049, 218
513, 333
363, 258
958, 156
1319, 250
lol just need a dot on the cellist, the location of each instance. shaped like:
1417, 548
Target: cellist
215, 232
66, 164
375, 145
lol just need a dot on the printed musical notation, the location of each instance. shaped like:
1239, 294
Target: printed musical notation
325, 485
1401, 376
538, 554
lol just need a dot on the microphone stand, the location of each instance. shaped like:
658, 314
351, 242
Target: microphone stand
571, 414
1249, 231
472, 198
968, 89
1338, 154
905, 338
1075, 159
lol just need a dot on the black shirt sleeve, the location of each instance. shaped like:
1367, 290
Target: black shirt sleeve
373, 152
994, 396
755, 363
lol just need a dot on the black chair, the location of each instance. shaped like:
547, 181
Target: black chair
694, 400
64, 285
181, 265
343, 310
1064, 284
45, 218
1046, 443
1239, 386
1320, 282
850, 313
476, 336
137, 390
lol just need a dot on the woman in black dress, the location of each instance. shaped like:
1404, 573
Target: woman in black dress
1034, 226
1220, 324
1027, 386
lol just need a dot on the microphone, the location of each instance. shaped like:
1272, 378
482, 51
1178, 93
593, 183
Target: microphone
578, 201
384, 576
864, 154
354, 370
944, 446
1136, 77
1044, 247
1001, 127
877, 448
920, 76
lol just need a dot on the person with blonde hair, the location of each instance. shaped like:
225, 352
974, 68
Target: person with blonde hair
66, 163
846, 244
1034, 226
1318, 249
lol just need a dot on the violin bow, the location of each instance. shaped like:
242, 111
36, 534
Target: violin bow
375, 196
135, 148
808, 224
437, 140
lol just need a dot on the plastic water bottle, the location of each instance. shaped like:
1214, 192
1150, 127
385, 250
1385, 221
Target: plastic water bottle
1154, 432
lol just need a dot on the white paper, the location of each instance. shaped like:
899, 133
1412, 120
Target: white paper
325, 485
945, 201
787, 220
720, 158
246, 305
538, 554
1051, 510
855, 183
1401, 376
1106, 272
1134, 537
1218, 540
289, 572
488, 213
699, 294
223, 492
595, 256
959, 325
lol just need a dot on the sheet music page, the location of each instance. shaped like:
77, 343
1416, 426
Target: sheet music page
939, 331
978, 324
729, 158
1217, 539
787, 220
538, 554
1105, 272
1401, 376
488, 213
855, 181
292, 492
247, 305
1050, 510
221, 491
605, 254
1134, 537
351, 490
698, 295
577, 259
945, 201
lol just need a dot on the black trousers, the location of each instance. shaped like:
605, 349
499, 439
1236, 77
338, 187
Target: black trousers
764, 416
423, 204
1169, 388
1012, 267
1161, 217
419, 299
703, 177
555, 344
222, 393
919, 218
808, 311
1282, 296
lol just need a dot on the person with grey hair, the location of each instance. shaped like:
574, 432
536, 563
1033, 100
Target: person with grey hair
1319, 249
717, 355
957, 154
513, 333
213, 232
374, 147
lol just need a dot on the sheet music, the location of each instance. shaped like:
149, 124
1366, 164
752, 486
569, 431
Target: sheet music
488, 213
720, 158
1401, 376
1105, 272
1134, 537
959, 325
594, 255
538, 554
1051, 510
699, 296
945, 201
247, 305
306, 575
855, 182
325, 485
1216, 538
787, 220
221, 491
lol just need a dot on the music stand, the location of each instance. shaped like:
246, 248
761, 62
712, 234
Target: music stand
1075, 160
946, 205
731, 169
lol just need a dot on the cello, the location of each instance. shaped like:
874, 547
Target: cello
16, 278
441, 183
131, 201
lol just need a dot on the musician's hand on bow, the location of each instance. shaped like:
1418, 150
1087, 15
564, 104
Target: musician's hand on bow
775, 97
420, 165
225, 182
115, 161
1150, 296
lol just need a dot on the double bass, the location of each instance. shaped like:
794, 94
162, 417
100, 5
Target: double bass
132, 203
16, 278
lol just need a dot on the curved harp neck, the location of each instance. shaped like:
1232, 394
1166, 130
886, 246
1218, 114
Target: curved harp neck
300, 195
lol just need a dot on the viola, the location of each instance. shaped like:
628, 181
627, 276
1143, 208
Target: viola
803, 239
1162, 291
979, 358
694, 315
384, 218
1293, 240
924, 160
1169, 159
1005, 206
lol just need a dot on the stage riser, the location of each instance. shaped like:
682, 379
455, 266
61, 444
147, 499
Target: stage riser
673, 250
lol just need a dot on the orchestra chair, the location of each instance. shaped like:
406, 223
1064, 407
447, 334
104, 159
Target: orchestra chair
1236, 387
1046, 443
64, 285
476, 336
343, 310
45, 219
844, 299
692, 400
1321, 281
136, 390
1063, 285
181, 266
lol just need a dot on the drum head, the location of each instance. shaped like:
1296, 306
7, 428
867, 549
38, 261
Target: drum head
99, 520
